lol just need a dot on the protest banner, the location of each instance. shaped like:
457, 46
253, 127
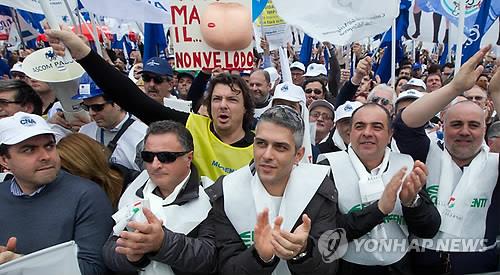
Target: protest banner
212, 34
57, 6
273, 27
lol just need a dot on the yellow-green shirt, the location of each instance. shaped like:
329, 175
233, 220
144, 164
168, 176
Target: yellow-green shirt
212, 157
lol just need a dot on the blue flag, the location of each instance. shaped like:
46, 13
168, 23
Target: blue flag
450, 10
257, 8
154, 40
306, 50
402, 22
489, 12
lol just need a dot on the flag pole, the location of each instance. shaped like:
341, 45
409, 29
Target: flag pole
393, 54
460, 34
71, 15
96, 34
18, 26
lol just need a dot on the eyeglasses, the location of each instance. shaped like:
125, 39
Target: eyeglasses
380, 100
316, 91
94, 107
156, 78
5, 102
324, 116
163, 157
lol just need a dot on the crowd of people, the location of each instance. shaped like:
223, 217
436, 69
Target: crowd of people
262, 173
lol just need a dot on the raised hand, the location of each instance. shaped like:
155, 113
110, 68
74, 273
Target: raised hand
288, 245
388, 199
263, 236
413, 183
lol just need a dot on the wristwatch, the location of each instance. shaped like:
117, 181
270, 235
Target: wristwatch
300, 256
414, 203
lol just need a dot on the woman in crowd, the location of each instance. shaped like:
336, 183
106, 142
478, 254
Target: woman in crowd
85, 157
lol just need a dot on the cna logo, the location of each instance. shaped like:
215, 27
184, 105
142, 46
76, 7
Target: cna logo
27, 121
332, 245
50, 55
452, 7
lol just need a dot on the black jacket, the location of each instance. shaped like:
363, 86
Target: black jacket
235, 258
191, 254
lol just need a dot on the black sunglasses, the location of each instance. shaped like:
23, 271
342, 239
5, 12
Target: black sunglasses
380, 100
156, 79
316, 91
163, 157
94, 107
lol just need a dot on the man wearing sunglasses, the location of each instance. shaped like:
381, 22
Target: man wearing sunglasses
112, 126
384, 96
177, 232
315, 89
17, 96
157, 76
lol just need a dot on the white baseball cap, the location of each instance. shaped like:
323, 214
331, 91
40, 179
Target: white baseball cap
345, 110
18, 67
414, 82
298, 65
22, 126
289, 91
315, 69
273, 74
409, 94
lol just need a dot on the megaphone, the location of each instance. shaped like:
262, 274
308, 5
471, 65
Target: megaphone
62, 76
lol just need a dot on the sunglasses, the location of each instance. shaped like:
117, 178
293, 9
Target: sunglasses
94, 107
380, 100
163, 157
316, 91
156, 79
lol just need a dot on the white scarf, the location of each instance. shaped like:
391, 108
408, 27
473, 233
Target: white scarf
180, 219
238, 185
338, 141
371, 186
347, 180
454, 201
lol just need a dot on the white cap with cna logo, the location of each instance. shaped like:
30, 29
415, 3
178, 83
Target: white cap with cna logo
22, 126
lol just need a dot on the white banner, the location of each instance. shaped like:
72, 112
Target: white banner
58, 259
58, 7
209, 34
148, 11
275, 29
341, 21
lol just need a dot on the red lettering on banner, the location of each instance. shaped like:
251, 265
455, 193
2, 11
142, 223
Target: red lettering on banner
185, 36
176, 34
217, 61
181, 11
197, 60
227, 65
178, 60
194, 16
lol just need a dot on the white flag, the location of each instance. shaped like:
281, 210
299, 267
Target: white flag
58, 259
148, 11
58, 7
339, 21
